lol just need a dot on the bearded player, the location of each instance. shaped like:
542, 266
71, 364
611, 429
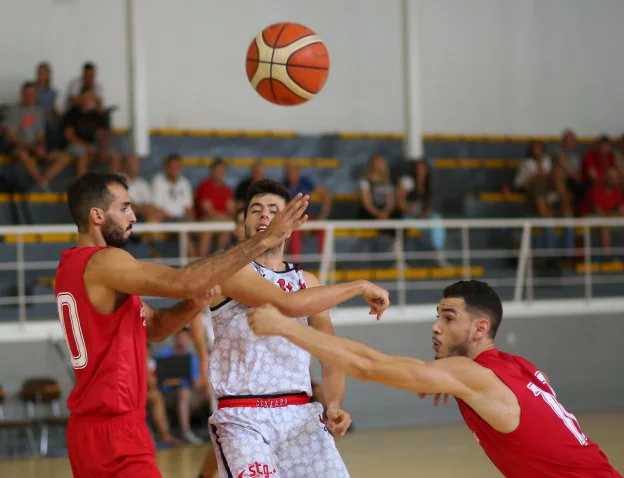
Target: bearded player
106, 324
265, 424
504, 399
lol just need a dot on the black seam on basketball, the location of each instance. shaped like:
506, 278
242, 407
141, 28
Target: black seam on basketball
309, 67
271, 67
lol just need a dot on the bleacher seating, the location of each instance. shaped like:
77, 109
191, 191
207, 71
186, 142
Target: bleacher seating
469, 174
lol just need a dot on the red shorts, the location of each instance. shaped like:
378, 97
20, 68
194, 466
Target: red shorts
116, 446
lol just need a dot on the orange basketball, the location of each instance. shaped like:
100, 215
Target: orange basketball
287, 64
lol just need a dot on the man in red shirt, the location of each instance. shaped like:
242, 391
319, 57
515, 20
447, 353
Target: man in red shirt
214, 201
605, 199
505, 400
597, 162
106, 325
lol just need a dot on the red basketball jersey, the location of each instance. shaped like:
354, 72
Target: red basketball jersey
107, 351
548, 441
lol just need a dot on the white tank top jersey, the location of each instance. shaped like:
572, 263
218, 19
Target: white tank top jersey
243, 364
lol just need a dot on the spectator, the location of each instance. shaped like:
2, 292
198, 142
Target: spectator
88, 136
536, 164
569, 159
376, 191
173, 195
414, 200
139, 189
550, 196
256, 174
597, 163
619, 160
182, 346
86, 80
605, 199
46, 100
25, 128
157, 404
296, 183
214, 201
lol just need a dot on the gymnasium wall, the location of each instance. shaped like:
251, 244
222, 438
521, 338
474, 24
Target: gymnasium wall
487, 66
580, 354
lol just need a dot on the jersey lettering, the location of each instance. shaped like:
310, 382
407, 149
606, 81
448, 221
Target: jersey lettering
68, 314
568, 419
284, 286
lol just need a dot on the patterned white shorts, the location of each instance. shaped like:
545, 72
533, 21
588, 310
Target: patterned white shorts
287, 442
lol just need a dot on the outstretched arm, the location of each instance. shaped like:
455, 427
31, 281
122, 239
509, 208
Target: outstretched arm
334, 380
248, 287
118, 270
365, 363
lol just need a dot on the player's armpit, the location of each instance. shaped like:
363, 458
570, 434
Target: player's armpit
118, 270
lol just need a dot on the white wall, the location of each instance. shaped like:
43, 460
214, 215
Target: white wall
487, 66
522, 66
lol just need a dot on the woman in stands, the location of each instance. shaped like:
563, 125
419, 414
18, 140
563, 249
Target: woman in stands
414, 201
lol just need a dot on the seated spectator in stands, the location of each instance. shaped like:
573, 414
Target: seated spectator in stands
139, 190
86, 80
296, 183
25, 128
182, 345
47, 101
414, 201
88, 135
605, 199
597, 163
549, 196
256, 174
173, 195
536, 164
156, 404
569, 159
619, 159
214, 201
376, 190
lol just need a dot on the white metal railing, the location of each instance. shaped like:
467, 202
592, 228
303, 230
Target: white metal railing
523, 281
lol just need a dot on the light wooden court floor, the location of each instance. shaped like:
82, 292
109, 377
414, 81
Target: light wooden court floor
439, 452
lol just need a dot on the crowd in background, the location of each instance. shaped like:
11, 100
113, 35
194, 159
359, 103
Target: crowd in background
568, 184
46, 133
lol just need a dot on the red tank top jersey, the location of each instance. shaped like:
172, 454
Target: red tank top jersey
548, 441
107, 351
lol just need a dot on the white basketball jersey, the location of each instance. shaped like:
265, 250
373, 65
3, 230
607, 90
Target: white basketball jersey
243, 364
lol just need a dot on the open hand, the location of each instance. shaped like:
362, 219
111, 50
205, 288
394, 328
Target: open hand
289, 219
266, 320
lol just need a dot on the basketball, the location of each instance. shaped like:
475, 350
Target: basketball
287, 64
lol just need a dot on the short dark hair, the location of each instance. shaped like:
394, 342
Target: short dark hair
88, 191
88, 66
479, 298
216, 163
172, 157
266, 186
28, 84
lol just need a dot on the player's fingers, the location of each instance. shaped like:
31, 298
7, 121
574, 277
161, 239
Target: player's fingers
446, 398
301, 221
436, 399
